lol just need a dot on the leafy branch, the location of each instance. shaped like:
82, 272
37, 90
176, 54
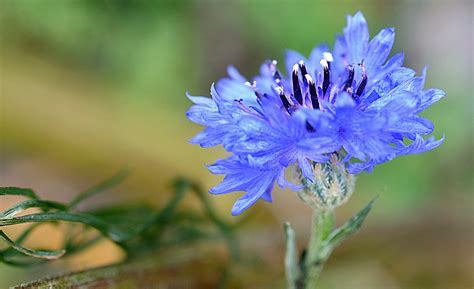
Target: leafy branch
136, 228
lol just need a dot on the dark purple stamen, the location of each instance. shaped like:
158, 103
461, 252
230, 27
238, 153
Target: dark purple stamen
312, 91
362, 85
325, 65
283, 98
277, 76
350, 78
303, 71
309, 127
275, 73
296, 85
363, 82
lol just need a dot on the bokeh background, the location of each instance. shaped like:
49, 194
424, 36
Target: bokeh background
88, 87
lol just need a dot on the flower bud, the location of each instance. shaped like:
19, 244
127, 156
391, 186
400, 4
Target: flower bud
331, 187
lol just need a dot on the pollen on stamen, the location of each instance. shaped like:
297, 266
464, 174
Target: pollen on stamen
295, 68
274, 71
303, 71
272, 65
279, 90
328, 56
324, 63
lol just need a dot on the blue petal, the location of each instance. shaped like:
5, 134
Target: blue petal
231, 90
398, 95
205, 115
340, 54
244, 202
244, 174
357, 168
379, 49
413, 124
235, 74
209, 137
201, 100
421, 145
392, 64
283, 183
345, 100
306, 168
267, 196
357, 36
428, 97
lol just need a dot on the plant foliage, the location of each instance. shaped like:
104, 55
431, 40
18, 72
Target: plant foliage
137, 228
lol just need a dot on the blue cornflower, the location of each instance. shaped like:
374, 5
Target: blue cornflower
351, 103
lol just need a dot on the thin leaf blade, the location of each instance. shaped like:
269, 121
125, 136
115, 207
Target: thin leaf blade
42, 254
34, 203
350, 227
14, 191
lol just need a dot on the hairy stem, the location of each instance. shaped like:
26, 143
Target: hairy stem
317, 254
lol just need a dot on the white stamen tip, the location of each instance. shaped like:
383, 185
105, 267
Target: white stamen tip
328, 56
301, 62
295, 67
279, 89
309, 78
274, 62
324, 63
248, 84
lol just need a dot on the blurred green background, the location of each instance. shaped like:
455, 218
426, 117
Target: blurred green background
88, 87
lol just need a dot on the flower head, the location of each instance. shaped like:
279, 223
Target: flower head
351, 102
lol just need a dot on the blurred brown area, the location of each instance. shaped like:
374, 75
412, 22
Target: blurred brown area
88, 87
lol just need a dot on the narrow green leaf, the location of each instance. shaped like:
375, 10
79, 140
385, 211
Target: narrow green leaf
292, 268
14, 191
106, 229
135, 228
100, 187
350, 227
41, 204
43, 254
9, 251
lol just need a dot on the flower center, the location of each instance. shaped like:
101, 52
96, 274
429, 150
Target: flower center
305, 92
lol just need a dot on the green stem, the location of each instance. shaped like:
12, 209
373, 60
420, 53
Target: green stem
317, 254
